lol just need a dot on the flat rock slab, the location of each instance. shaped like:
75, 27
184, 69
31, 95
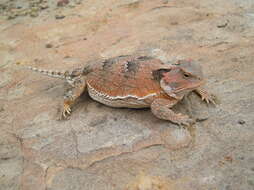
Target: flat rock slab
102, 148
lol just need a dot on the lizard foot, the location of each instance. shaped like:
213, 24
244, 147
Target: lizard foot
66, 111
208, 98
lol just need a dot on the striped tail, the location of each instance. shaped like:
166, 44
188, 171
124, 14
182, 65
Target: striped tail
54, 74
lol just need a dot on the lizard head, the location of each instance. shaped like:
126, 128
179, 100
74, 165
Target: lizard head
182, 78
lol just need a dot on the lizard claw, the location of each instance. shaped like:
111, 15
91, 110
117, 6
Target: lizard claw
208, 98
66, 111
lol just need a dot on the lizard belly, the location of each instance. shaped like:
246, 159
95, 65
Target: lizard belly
128, 101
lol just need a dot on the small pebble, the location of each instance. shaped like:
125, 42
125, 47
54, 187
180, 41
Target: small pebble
61, 3
59, 16
241, 122
201, 119
174, 23
49, 46
78, 2
223, 25
5, 158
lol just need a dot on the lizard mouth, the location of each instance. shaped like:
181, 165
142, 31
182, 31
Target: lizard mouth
190, 88
178, 91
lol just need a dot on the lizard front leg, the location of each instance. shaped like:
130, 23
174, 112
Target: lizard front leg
78, 87
161, 109
205, 96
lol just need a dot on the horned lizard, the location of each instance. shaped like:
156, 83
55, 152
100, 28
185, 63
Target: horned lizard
135, 82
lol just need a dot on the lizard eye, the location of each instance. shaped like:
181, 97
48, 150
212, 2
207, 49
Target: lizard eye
186, 75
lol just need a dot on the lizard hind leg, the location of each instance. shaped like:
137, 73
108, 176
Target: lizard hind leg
72, 94
161, 109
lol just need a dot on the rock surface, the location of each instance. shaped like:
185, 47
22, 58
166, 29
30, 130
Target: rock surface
122, 149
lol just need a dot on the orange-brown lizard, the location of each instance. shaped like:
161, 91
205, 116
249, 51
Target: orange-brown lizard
135, 82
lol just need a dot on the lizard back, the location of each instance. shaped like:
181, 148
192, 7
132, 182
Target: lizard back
125, 81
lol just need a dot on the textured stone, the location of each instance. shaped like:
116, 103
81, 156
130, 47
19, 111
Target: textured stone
5, 78
105, 148
10, 173
176, 138
144, 182
79, 180
109, 134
